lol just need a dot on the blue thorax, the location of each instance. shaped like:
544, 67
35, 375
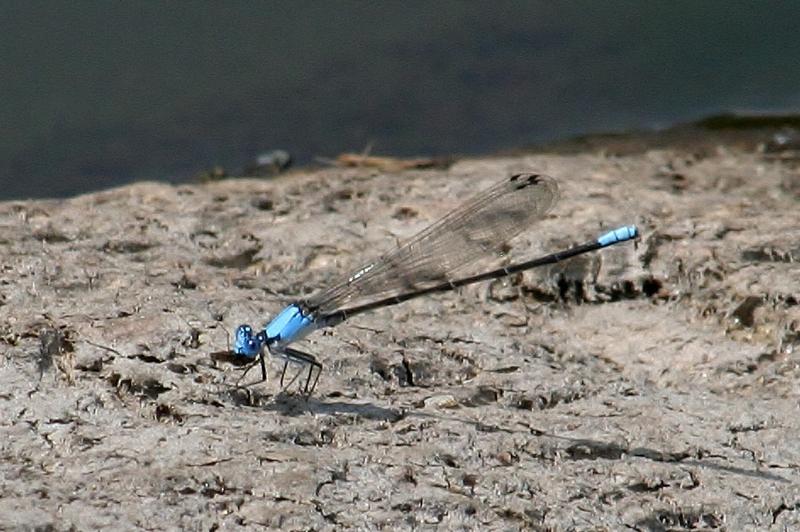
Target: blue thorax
287, 327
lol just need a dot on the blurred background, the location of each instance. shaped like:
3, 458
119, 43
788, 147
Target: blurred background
96, 94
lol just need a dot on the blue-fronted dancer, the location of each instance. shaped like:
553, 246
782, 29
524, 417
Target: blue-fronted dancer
425, 264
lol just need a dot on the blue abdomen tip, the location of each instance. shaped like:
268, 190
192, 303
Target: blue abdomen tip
620, 234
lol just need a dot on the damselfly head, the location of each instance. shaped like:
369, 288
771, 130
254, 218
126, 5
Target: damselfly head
247, 344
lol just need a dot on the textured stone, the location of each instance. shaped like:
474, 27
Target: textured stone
652, 386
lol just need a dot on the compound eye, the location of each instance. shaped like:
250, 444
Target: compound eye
245, 344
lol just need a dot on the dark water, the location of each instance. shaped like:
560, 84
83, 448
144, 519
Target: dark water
95, 94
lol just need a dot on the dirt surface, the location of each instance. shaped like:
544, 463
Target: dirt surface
648, 387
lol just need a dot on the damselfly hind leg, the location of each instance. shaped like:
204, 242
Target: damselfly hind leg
302, 359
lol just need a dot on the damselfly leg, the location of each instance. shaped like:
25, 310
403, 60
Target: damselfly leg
295, 357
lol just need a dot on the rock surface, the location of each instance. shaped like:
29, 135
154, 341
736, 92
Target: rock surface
648, 387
